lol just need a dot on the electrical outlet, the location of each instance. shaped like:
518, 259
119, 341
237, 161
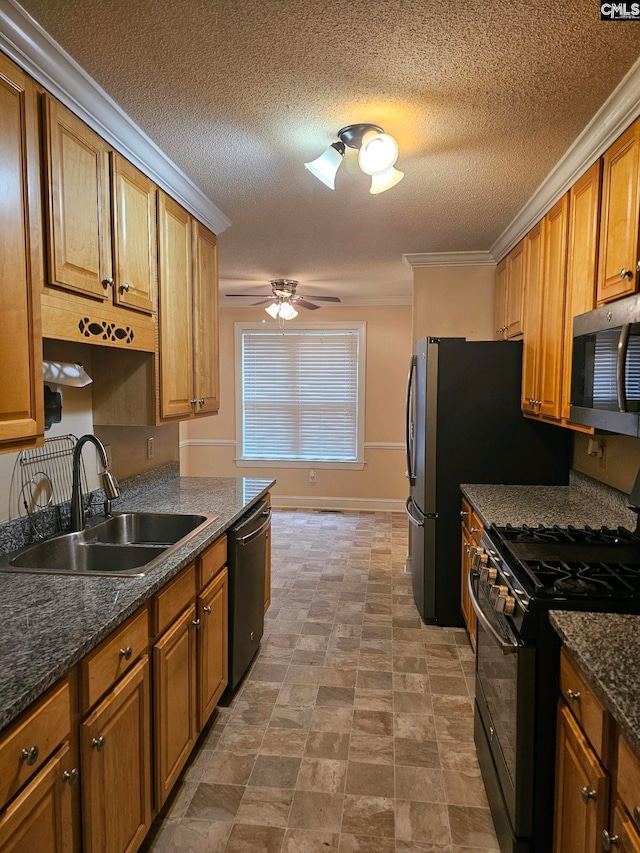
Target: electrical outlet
149, 448
312, 476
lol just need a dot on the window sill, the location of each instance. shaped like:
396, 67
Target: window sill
297, 463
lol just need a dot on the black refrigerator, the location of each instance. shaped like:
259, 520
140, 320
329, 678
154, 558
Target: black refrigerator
464, 424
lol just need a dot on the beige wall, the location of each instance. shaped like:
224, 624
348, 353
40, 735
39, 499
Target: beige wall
454, 301
618, 465
210, 448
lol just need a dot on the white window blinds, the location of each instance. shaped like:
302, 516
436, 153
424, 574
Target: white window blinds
300, 394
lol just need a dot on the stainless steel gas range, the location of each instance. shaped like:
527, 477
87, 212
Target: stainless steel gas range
518, 574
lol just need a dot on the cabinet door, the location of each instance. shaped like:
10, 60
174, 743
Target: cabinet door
468, 613
134, 244
175, 309
582, 263
531, 318
515, 291
212, 645
582, 791
205, 319
626, 838
115, 756
21, 397
78, 224
174, 701
552, 309
40, 819
500, 305
617, 273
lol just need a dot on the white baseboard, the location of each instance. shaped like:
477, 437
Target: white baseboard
347, 504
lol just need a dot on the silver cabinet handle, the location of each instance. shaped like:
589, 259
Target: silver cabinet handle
30, 756
98, 743
126, 653
125, 288
463, 513
573, 696
636, 814
626, 273
587, 794
70, 776
201, 401
207, 609
107, 282
196, 622
609, 840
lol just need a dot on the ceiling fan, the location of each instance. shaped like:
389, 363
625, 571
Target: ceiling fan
283, 292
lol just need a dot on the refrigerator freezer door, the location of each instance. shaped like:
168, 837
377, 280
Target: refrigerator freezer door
422, 546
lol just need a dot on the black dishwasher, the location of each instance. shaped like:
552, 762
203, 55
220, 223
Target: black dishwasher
246, 560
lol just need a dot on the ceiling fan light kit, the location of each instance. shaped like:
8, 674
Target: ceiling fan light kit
283, 294
377, 154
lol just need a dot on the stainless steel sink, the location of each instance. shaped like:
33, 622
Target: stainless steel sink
128, 544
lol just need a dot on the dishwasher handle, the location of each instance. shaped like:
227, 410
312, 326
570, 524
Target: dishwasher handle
250, 536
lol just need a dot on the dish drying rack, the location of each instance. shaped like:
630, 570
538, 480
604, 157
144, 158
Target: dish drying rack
46, 479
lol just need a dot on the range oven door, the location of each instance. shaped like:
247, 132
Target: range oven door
505, 721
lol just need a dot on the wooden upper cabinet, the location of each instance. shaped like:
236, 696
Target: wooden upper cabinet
21, 269
582, 262
205, 319
515, 291
175, 309
531, 316
617, 270
134, 229
79, 228
500, 304
552, 309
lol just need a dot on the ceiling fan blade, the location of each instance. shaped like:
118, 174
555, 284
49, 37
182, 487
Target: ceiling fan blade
251, 295
305, 304
262, 302
325, 298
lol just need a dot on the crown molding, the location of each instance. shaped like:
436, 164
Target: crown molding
33, 49
448, 259
620, 109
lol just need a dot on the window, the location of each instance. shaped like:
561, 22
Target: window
300, 394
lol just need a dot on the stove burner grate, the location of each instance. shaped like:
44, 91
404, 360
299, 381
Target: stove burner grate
559, 578
526, 534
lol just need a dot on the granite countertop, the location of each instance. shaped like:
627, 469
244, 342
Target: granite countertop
49, 622
607, 647
583, 502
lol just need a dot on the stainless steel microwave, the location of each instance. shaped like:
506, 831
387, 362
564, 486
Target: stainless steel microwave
605, 367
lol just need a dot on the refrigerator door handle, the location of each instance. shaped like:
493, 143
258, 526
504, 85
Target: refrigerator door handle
409, 424
412, 517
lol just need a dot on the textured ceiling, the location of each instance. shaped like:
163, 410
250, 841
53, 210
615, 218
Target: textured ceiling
483, 99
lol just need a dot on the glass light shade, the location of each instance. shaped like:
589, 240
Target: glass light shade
385, 180
273, 310
287, 311
326, 165
378, 153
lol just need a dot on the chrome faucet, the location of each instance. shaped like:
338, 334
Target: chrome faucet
109, 482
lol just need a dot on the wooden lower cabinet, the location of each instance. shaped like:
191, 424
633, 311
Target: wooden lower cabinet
582, 790
624, 836
115, 757
174, 700
40, 819
472, 530
212, 645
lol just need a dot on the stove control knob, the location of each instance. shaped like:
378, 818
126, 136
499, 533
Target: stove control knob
488, 575
496, 591
480, 558
505, 604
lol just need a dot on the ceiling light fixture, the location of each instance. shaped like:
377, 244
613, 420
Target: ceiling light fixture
282, 309
377, 154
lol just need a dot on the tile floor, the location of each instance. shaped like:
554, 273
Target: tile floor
353, 730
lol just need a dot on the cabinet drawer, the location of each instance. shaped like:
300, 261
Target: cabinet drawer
100, 669
585, 705
39, 732
471, 520
211, 561
627, 839
169, 603
628, 781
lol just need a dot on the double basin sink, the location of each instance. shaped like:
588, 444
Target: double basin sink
126, 544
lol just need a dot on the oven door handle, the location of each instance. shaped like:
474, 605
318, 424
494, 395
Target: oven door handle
505, 648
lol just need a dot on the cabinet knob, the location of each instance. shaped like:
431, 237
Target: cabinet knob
30, 756
201, 401
609, 841
475, 530
636, 814
626, 273
207, 609
126, 653
98, 743
125, 288
573, 696
196, 622
193, 402
70, 776
107, 282
463, 513
587, 794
